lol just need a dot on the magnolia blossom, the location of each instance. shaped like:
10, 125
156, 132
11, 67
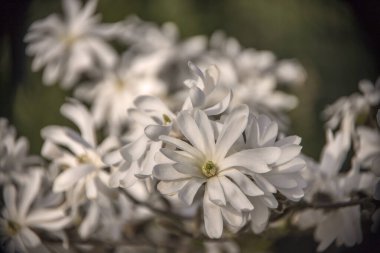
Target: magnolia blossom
70, 46
354, 106
21, 215
205, 93
14, 153
115, 93
211, 161
254, 76
284, 175
149, 119
77, 156
341, 225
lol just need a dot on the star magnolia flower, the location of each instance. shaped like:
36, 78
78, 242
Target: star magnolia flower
115, 93
150, 119
78, 155
326, 185
205, 93
70, 46
14, 157
215, 165
20, 216
284, 175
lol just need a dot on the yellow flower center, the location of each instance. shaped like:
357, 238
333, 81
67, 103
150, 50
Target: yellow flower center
166, 119
209, 169
13, 228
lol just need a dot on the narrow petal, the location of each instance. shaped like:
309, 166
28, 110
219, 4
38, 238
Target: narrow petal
182, 145
212, 218
29, 238
244, 183
69, 177
215, 191
232, 130
30, 192
234, 196
171, 187
167, 172
187, 193
191, 131
90, 221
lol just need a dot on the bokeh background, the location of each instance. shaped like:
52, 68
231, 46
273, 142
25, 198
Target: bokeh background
336, 41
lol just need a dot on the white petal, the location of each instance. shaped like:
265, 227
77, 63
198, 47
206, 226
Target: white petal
9, 195
244, 183
232, 129
183, 146
30, 192
212, 218
232, 216
215, 191
197, 97
43, 215
288, 153
259, 217
90, 222
69, 177
153, 132
171, 187
191, 131
187, 193
91, 190
167, 172
29, 238
78, 114
234, 196
134, 150
206, 130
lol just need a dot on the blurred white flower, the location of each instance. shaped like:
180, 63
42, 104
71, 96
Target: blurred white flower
254, 76
212, 160
205, 93
20, 215
114, 94
77, 155
149, 120
354, 106
327, 186
70, 46
14, 153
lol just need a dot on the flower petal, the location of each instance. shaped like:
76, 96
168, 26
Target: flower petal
215, 191
232, 129
69, 177
234, 195
244, 183
212, 218
187, 193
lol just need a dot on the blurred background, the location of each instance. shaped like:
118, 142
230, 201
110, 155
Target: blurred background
337, 41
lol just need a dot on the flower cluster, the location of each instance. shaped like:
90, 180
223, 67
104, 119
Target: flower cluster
178, 144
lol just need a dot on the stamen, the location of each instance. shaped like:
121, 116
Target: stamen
209, 169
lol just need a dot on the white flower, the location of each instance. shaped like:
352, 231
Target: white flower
150, 119
77, 155
20, 216
284, 175
368, 153
328, 186
115, 93
253, 76
205, 93
70, 46
210, 160
354, 106
14, 156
